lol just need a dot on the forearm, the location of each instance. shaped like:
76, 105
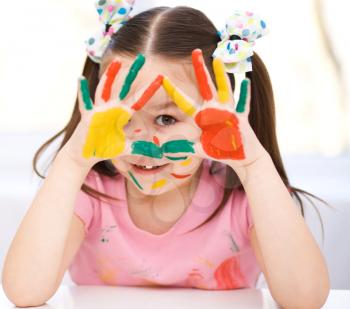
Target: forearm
294, 263
35, 253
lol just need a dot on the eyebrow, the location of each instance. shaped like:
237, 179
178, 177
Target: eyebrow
163, 106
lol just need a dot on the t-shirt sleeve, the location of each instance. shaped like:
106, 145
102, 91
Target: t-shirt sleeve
84, 205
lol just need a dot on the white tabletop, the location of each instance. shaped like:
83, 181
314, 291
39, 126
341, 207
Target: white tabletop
106, 297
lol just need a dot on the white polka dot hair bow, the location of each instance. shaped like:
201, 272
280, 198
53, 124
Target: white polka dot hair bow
237, 40
112, 15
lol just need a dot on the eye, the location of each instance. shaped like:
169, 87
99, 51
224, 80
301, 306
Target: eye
169, 120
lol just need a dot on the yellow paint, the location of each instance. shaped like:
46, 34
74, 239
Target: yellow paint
159, 183
106, 136
106, 270
205, 262
179, 99
221, 81
234, 143
229, 123
188, 161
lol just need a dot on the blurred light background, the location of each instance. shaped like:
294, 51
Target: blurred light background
42, 54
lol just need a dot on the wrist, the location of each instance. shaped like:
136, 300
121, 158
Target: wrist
256, 170
71, 163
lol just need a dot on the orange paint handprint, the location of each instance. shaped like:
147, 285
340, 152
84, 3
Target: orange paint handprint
226, 134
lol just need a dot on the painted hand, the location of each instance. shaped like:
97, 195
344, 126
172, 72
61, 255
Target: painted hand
102, 123
226, 134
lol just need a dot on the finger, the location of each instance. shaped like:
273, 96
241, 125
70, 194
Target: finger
148, 93
111, 74
179, 98
204, 81
85, 102
243, 105
131, 76
222, 81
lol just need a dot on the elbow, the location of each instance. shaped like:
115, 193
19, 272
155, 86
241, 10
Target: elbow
308, 298
29, 296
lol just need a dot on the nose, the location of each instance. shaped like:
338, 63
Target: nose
139, 129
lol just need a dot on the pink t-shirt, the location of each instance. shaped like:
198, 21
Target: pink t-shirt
217, 256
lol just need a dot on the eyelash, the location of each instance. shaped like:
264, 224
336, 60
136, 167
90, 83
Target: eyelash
167, 116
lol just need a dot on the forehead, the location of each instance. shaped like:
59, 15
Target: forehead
180, 72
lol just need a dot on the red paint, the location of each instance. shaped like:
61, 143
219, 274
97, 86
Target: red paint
137, 130
156, 140
149, 92
219, 129
228, 275
201, 75
112, 72
180, 176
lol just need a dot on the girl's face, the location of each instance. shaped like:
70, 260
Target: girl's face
158, 122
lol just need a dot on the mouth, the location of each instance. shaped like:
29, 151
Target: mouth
148, 169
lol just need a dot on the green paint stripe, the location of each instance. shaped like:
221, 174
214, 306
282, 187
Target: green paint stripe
135, 180
84, 87
148, 149
242, 96
176, 158
178, 146
135, 68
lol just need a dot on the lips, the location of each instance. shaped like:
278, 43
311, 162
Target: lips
149, 171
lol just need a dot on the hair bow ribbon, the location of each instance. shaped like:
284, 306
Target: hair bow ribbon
238, 39
112, 15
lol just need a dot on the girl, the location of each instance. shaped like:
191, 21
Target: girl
180, 186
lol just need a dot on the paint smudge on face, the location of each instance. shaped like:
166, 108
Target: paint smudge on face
221, 81
106, 136
202, 78
156, 140
85, 93
131, 76
158, 184
135, 180
176, 158
148, 149
181, 145
179, 99
152, 150
180, 176
220, 140
187, 162
149, 92
111, 74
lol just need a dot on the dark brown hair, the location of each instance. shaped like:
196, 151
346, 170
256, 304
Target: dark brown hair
173, 33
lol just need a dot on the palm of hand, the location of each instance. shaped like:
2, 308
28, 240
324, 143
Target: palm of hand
225, 132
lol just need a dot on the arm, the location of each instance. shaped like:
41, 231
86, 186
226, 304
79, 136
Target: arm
290, 258
32, 263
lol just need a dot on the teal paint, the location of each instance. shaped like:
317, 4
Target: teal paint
135, 180
84, 87
148, 149
176, 158
135, 68
181, 145
242, 96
